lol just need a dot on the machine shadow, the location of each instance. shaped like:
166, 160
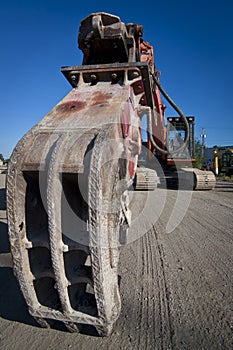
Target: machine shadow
4, 239
12, 304
226, 191
224, 187
14, 308
2, 199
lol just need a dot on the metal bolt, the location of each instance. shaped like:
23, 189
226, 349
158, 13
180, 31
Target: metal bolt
114, 76
93, 77
135, 74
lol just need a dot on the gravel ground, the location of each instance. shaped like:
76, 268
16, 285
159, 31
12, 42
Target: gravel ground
176, 284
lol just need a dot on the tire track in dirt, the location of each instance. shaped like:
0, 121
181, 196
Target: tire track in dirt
198, 277
146, 315
159, 261
217, 254
182, 306
150, 325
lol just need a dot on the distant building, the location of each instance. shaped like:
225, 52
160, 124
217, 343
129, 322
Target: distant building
209, 154
3, 167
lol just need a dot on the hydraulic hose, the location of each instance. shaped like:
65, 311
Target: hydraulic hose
178, 110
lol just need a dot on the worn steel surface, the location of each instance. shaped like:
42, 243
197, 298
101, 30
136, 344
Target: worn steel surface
67, 202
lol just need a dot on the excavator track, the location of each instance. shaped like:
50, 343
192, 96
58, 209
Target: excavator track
146, 179
202, 180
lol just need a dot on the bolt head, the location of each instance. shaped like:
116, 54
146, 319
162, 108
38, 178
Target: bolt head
93, 77
114, 76
135, 74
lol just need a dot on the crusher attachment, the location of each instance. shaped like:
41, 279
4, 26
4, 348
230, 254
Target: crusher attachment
68, 180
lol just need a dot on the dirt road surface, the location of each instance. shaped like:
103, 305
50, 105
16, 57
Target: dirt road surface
176, 287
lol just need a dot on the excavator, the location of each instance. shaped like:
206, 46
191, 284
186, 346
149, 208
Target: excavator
69, 177
223, 156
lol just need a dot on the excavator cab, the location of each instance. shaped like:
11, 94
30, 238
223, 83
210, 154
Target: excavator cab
179, 163
225, 160
176, 134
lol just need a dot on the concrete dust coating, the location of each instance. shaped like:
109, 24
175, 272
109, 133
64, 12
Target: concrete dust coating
176, 288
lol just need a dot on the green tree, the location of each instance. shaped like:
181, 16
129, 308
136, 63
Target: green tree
1, 157
199, 160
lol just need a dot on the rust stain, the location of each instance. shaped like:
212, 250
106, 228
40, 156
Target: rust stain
70, 107
100, 98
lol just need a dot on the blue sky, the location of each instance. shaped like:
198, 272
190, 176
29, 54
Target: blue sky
193, 43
